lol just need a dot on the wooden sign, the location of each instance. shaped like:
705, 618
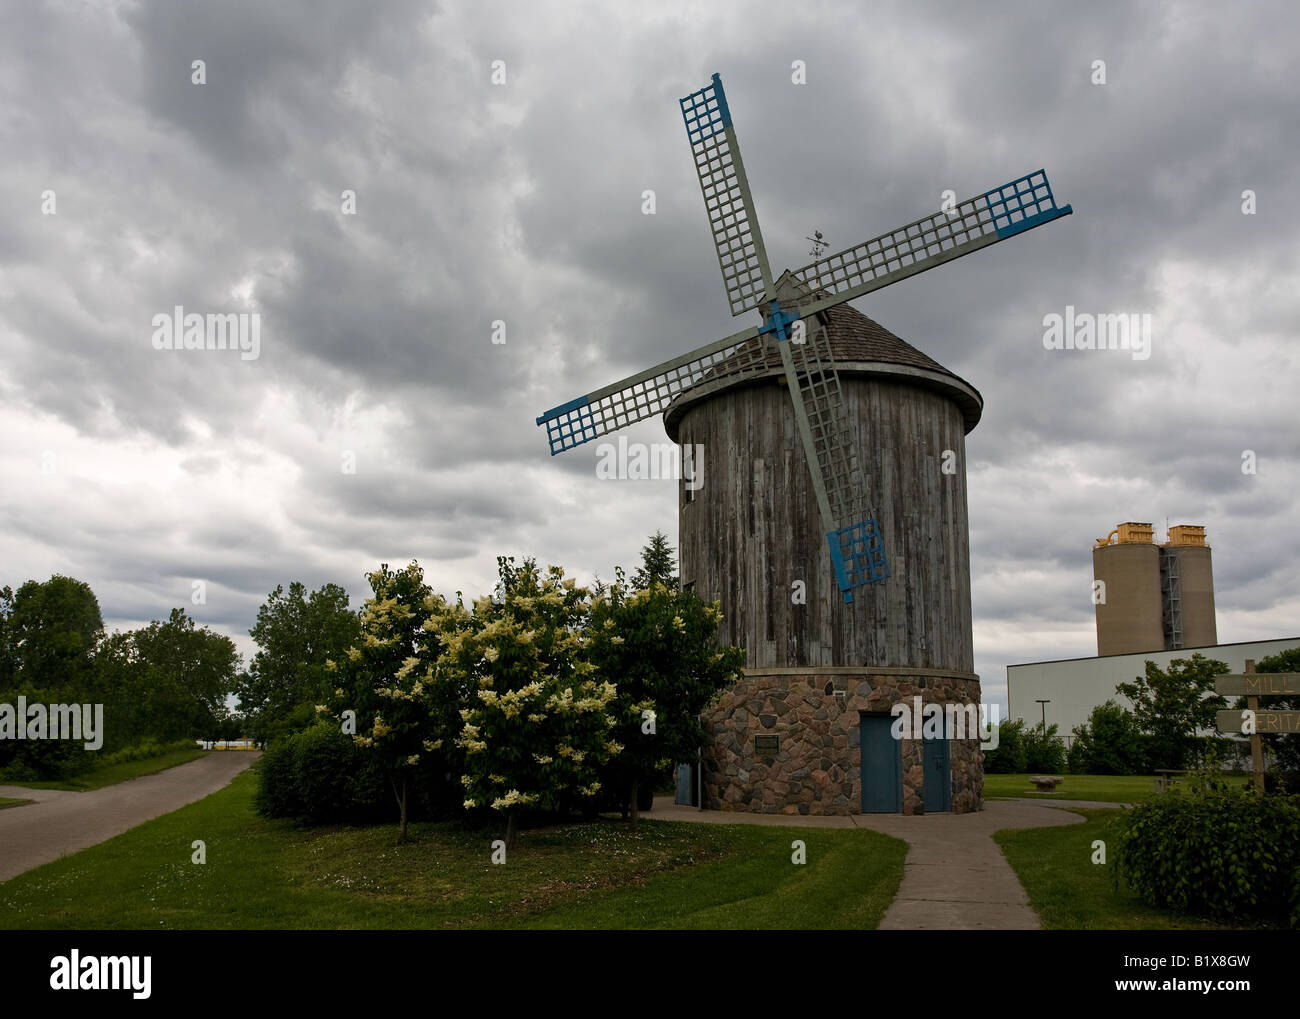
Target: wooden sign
1256, 743
1265, 721
767, 744
1258, 684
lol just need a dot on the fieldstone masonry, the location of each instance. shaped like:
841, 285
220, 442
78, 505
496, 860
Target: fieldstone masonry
815, 713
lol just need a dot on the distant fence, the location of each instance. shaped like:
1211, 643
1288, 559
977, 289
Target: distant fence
227, 744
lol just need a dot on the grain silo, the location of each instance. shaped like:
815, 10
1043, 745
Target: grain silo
1153, 597
811, 718
1187, 589
1126, 563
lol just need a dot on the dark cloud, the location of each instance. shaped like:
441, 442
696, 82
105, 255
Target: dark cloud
522, 203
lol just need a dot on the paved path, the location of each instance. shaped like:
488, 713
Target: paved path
1063, 803
955, 877
62, 822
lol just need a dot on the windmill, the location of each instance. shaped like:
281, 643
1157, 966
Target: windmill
793, 321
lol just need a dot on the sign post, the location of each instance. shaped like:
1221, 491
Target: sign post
1256, 744
1254, 686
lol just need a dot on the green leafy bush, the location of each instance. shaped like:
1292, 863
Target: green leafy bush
144, 750
324, 763
30, 760
320, 776
1011, 756
277, 787
1044, 751
1109, 743
1209, 849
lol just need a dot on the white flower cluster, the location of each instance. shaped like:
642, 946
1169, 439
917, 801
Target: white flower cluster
513, 797
575, 755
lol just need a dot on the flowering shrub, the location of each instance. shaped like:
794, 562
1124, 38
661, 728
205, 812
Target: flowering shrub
404, 714
536, 723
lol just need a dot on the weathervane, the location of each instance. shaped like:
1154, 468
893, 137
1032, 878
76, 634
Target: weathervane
818, 245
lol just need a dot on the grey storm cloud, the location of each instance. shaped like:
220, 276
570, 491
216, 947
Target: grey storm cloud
521, 204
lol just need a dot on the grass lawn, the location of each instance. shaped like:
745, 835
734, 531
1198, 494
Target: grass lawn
600, 874
1069, 891
7, 801
1106, 788
113, 773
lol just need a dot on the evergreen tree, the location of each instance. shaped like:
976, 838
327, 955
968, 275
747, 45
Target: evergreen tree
657, 565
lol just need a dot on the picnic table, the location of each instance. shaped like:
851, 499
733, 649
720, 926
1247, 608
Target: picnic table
1165, 777
1045, 783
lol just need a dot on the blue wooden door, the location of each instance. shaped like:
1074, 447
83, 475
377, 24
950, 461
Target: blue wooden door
936, 774
882, 773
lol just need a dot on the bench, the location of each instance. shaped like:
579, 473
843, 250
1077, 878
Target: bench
1045, 783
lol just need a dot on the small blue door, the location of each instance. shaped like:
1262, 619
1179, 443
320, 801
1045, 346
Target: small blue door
936, 774
882, 771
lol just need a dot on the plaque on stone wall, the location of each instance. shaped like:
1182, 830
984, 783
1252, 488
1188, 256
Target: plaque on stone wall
766, 744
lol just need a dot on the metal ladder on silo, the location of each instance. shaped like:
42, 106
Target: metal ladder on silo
1171, 597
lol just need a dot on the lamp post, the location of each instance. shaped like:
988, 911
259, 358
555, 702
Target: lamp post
1044, 703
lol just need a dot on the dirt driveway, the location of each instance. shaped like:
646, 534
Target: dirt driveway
59, 822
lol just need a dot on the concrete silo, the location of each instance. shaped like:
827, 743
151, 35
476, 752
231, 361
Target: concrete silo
1155, 597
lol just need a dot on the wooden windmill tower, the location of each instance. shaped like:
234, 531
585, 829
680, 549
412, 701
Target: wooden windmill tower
835, 455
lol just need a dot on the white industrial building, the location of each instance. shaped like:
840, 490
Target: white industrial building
1074, 686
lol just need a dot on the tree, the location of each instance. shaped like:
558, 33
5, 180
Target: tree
1170, 705
404, 712
123, 684
1109, 743
51, 630
296, 634
659, 646
8, 642
184, 674
537, 725
657, 564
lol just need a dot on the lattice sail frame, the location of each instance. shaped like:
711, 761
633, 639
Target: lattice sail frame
930, 241
853, 533
746, 274
649, 392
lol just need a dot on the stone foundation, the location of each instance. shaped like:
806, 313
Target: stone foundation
815, 715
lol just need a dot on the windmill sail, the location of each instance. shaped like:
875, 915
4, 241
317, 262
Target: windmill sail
647, 393
930, 241
741, 255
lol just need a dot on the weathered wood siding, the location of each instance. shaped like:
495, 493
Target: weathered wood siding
753, 529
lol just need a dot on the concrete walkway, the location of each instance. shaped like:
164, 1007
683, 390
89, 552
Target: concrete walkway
955, 877
62, 822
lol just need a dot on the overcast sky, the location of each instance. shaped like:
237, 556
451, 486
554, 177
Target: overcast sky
143, 471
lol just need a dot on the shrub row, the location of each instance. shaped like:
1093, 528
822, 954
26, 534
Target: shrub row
1023, 747
145, 749
1228, 854
320, 776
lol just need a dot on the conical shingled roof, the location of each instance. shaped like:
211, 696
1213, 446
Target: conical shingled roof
860, 346
855, 337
